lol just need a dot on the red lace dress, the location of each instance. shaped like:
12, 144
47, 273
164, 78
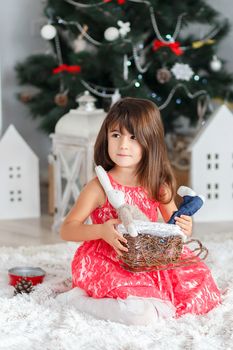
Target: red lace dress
96, 268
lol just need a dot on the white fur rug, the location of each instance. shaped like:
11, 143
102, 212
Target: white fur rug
36, 321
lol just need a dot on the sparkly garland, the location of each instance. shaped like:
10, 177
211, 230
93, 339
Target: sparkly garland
93, 88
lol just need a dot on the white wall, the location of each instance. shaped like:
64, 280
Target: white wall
0, 99
225, 7
19, 38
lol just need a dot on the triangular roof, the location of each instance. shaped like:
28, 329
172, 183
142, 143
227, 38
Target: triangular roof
12, 134
220, 110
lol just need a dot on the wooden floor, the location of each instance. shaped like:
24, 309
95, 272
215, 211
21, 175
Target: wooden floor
39, 231
30, 231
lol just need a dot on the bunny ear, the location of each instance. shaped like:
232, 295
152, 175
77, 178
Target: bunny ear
185, 191
103, 178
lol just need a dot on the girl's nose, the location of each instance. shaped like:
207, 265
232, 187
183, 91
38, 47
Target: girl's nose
124, 143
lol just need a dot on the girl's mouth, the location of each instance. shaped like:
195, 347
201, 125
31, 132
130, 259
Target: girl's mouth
123, 155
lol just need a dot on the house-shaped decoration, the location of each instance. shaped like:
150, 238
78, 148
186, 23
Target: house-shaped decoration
19, 178
212, 166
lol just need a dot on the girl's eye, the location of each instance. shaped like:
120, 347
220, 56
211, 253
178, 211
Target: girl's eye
115, 134
133, 137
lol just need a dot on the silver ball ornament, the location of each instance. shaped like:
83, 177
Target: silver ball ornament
215, 64
48, 32
111, 34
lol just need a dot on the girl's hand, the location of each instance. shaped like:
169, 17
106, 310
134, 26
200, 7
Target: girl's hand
185, 223
111, 236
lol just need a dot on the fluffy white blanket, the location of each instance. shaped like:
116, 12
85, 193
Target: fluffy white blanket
36, 321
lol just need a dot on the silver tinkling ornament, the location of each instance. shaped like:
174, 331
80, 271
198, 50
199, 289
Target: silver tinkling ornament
48, 32
111, 34
182, 71
215, 64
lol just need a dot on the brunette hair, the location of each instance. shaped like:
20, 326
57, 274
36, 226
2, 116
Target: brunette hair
142, 119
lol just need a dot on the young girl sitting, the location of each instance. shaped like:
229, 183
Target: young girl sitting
130, 147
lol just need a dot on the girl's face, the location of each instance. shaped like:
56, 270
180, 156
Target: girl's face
123, 148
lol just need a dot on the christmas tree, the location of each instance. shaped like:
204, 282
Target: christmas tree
137, 48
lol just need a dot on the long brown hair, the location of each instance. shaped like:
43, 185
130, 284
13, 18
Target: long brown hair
141, 118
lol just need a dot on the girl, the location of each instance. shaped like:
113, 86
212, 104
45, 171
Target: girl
130, 147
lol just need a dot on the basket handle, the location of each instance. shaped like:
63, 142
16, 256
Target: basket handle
199, 250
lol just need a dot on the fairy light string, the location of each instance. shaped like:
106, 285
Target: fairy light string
212, 33
93, 88
188, 93
152, 16
106, 92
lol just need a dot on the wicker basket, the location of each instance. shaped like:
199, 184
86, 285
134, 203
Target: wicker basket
160, 249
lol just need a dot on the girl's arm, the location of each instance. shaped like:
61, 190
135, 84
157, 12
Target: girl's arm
73, 227
184, 221
167, 210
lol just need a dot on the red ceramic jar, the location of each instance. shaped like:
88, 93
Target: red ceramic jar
33, 274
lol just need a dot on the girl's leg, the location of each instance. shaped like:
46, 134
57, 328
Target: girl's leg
131, 311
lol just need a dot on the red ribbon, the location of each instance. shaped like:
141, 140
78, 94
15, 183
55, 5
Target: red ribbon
120, 2
65, 68
174, 46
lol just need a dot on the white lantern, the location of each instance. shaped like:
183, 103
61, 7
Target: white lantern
85, 121
72, 149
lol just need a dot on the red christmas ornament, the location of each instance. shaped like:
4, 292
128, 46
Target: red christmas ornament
173, 46
66, 68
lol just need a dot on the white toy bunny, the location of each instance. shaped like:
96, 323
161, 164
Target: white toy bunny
126, 213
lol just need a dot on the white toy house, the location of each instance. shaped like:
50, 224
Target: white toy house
19, 178
212, 166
